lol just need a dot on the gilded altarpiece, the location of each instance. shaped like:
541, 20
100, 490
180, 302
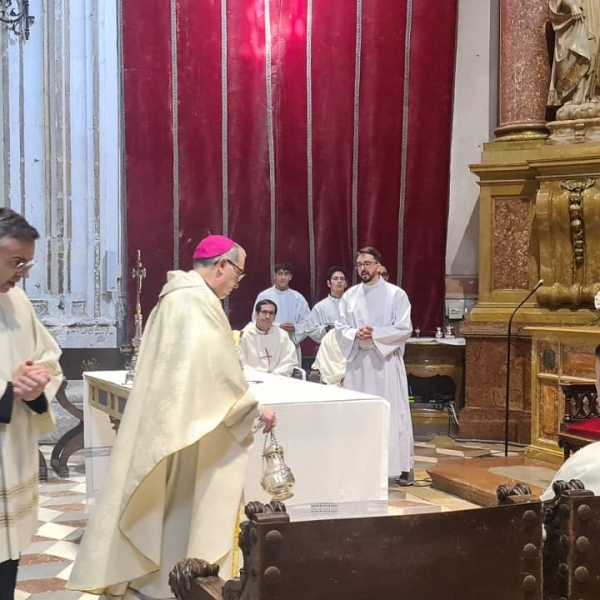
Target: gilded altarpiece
540, 219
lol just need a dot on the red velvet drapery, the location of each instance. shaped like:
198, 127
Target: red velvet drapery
304, 129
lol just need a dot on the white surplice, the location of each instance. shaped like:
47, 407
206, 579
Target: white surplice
271, 351
323, 314
22, 338
330, 361
175, 480
292, 307
377, 366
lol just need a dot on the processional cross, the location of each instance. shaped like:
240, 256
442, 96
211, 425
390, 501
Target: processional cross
139, 273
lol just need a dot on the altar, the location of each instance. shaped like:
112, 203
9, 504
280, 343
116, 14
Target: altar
335, 440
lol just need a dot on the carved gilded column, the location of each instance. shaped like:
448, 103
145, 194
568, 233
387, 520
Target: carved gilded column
524, 69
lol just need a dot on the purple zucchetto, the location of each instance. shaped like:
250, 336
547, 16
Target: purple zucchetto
213, 245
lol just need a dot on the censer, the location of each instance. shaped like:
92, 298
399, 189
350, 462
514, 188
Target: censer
278, 479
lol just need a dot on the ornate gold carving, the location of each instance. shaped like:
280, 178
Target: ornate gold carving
575, 187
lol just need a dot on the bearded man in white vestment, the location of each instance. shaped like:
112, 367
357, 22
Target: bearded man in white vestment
264, 346
293, 312
326, 312
174, 485
374, 324
29, 378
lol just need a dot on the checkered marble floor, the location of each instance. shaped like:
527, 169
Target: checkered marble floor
46, 563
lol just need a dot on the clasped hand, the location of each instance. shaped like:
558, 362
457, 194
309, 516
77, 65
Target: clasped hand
29, 381
365, 333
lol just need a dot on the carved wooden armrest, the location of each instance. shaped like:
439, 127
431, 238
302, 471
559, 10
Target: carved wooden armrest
182, 576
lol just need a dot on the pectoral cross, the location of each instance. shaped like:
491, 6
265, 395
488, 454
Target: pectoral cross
268, 357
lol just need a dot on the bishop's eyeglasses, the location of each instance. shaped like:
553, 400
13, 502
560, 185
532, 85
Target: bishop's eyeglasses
23, 266
240, 272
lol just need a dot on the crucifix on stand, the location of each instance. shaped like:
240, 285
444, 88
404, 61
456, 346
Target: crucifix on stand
138, 273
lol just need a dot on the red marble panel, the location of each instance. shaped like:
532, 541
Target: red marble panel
579, 362
524, 63
512, 232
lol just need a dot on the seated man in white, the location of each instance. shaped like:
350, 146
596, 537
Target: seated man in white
330, 361
265, 347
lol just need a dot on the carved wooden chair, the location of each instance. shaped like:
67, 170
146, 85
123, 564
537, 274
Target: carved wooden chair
581, 423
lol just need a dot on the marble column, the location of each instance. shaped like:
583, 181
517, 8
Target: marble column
524, 69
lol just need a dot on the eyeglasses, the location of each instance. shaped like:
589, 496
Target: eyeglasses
240, 272
267, 313
368, 264
24, 266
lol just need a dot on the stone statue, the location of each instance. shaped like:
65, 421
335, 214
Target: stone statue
575, 84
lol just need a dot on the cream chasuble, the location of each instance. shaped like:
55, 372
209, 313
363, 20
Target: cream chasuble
376, 366
177, 469
22, 338
272, 352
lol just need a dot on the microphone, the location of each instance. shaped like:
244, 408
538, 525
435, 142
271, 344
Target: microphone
537, 286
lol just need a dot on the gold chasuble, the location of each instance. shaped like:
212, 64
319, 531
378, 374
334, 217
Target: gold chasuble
177, 470
22, 338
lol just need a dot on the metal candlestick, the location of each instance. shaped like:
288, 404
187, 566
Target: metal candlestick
139, 273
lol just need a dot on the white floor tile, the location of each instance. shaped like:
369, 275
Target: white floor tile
66, 573
55, 531
65, 550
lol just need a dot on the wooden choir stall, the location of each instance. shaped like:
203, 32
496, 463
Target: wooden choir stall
519, 550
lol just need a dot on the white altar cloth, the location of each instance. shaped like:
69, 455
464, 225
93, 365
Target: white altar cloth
335, 441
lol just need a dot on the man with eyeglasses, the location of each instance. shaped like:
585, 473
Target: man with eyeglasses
175, 480
293, 311
266, 347
383, 272
326, 312
30, 376
373, 327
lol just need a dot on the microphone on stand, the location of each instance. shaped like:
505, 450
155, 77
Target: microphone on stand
538, 285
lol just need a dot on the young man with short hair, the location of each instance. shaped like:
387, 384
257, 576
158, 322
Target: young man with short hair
293, 311
326, 312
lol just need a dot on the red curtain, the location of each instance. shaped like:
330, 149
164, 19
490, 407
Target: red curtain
303, 129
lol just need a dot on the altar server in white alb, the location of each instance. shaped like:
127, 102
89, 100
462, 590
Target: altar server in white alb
264, 346
29, 378
374, 324
293, 311
326, 312
177, 468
